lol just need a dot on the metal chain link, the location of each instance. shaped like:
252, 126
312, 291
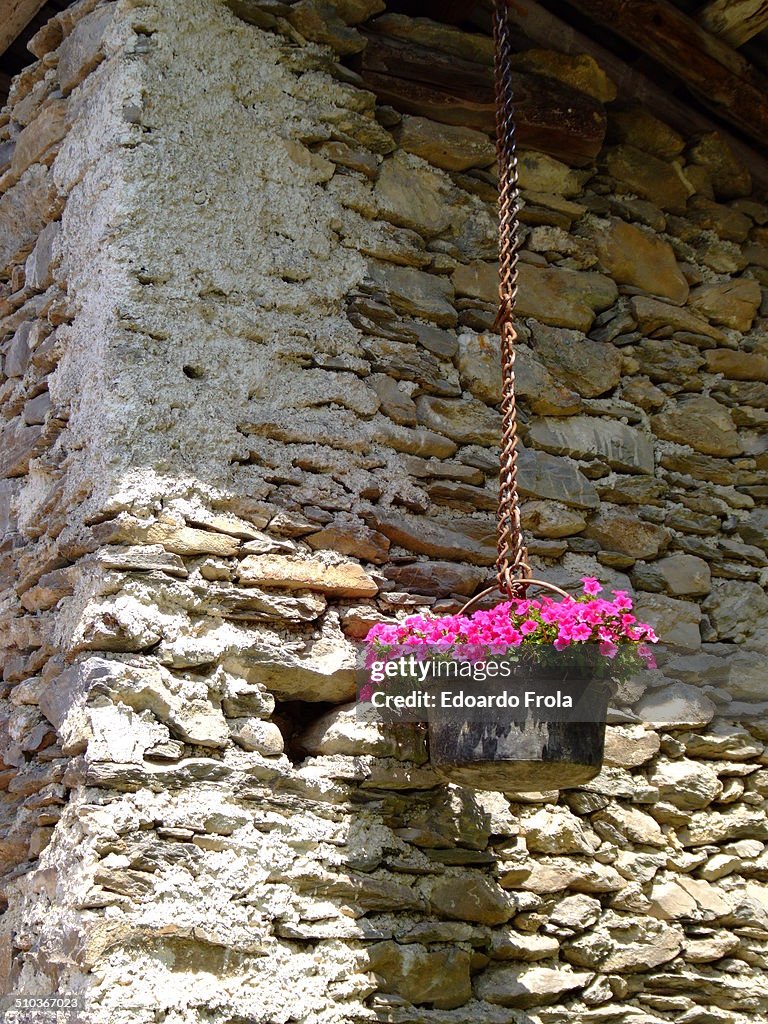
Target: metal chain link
512, 569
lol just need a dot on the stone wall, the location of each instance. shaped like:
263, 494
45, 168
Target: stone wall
250, 393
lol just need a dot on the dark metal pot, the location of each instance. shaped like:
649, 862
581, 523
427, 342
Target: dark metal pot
524, 748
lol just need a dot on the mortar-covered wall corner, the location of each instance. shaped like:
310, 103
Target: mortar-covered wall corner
250, 398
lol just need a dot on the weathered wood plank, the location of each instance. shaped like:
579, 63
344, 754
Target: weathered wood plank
734, 21
404, 59
538, 26
15, 15
551, 117
717, 74
543, 28
411, 97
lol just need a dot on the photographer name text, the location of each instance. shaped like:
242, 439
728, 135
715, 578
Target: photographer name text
419, 699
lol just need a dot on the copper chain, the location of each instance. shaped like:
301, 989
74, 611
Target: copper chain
512, 565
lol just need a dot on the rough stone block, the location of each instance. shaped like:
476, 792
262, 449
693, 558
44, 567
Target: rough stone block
736, 609
320, 23
477, 899
18, 352
450, 147
622, 447
82, 50
746, 366
558, 479
35, 144
526, 986
440, 977
632, 256
590, 368
679, 575
687, 784
730, 178
255, 734
18, 446
541, 173
648, 177
342, 579
703, 423
41, 262
416, 293
466, 421
24, 211
464, 539
626, 944
637, 126
579, 70
345, 731
351, 538
676, 622
412, 196
563, 298
473, 46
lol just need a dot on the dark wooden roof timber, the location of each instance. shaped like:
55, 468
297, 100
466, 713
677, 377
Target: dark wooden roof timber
545, 29
551, 117
437, 86
734, 21
16, 15
720, 77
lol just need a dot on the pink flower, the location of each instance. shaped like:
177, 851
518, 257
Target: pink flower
608, 649
521, 622
647, 655
592, 613
382, 631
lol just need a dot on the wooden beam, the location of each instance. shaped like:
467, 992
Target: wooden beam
734, 21
721, 78
392, 56
16, 15
541, 27
551, 117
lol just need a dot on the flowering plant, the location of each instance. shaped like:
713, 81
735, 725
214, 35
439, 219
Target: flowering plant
530, 630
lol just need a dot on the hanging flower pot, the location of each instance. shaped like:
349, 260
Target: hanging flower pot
515, 697
538, 721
